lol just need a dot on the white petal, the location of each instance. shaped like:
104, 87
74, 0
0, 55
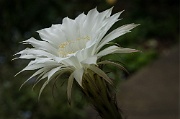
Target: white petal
85, 53
116, 33
72, 61
53, 72
49, 36
42, 88
78, 74
107, 12
90, 20
108, 23
42, 76
69, 86
35, 74
104, 26
70, 29
26, 57
115, 49
35, 52
43, 45
80, 19
100, 73
113, 63
47, 72
53, 35
45, 61
90, 60
33, 66
100, 18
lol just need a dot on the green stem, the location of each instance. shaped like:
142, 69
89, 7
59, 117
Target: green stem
97, 91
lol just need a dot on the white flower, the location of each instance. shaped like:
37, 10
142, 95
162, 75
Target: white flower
74, 46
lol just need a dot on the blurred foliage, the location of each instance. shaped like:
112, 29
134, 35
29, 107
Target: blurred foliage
21, 18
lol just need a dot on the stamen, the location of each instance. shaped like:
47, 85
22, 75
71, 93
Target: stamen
71, 46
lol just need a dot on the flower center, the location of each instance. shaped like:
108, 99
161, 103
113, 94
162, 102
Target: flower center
71, 46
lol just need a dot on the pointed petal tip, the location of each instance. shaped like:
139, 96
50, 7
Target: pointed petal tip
38, 31
39, 98
121, 11
134, 50
42, 88
32, 89
15, 54
21, 87
18, 73
135, 25
78, 74
14, 58
24, 42
139, 51
110, 9
23, 84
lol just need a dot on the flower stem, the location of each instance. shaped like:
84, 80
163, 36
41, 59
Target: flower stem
97, 91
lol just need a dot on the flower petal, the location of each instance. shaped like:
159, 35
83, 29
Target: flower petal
35, 74
100, 18
69, 87
89, 21
53, 35
113, 63
61, 71
40, 77
108, 23
116, 33
35, 52
101, 73
70, 29
85, 53
90, 60
78, 74
43, 45
33, 66
72, 61
53, 72
115, 49
103, 27
42, 88
80, 19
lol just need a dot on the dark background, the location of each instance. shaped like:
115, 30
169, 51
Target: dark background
19, 19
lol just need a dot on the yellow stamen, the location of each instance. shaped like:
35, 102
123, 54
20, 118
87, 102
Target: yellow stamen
66, 48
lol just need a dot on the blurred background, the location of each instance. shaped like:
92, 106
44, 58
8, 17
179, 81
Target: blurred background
156, 36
